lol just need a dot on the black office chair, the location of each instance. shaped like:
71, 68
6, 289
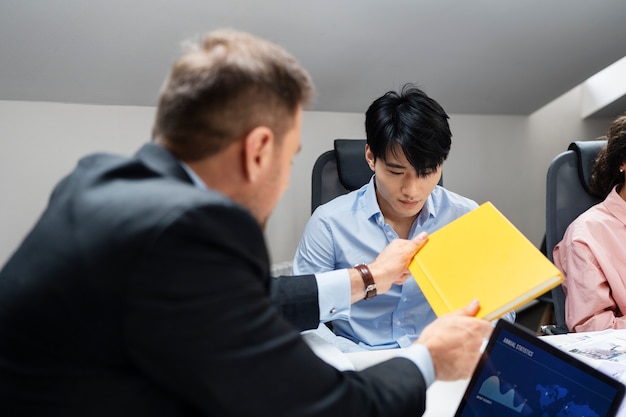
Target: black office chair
339, 171
567, 196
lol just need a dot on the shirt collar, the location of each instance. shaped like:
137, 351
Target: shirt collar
371, 204
194, 177
429, 210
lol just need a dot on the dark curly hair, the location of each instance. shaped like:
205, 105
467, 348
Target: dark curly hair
606, 169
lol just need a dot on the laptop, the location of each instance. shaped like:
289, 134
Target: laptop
520, 375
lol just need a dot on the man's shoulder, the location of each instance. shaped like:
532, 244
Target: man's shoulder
137, 178
110, 188
444, 198
345, 203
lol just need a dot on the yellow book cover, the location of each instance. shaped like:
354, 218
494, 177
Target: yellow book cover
482, 255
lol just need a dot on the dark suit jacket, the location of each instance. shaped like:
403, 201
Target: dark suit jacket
138, 294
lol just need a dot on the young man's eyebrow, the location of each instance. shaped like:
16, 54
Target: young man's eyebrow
392, 165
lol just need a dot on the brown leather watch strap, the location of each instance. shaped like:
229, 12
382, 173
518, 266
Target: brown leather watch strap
368, 280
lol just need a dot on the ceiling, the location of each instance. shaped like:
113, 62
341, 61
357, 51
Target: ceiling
473, 56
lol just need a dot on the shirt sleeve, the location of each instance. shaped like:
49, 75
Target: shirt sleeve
315, 256
420, 356
315, 252
334, 295
589, 305
510, 316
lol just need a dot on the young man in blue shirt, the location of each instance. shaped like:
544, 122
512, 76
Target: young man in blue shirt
408, 138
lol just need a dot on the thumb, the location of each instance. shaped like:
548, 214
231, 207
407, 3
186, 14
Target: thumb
469, 310
420, 239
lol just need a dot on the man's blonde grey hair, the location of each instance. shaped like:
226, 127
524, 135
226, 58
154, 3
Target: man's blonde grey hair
223, 86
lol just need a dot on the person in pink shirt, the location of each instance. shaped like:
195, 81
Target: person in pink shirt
592, 254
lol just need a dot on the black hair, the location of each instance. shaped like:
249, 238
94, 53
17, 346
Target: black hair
606, 174
414, 122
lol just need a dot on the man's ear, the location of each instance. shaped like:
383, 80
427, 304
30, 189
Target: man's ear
369, 157
258, 151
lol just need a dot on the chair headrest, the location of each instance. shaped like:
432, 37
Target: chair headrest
587, 151
351, 164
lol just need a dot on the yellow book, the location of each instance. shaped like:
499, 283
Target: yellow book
482, 255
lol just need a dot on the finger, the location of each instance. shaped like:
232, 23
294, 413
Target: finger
401, 280
469, 310
405, 276
420, 239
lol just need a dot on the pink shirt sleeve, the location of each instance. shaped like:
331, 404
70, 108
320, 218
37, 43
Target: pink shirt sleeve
592, 257
589, 305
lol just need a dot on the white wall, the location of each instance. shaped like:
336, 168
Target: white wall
41, 142
498, 158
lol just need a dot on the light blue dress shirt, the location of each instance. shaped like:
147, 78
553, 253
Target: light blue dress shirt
350, 230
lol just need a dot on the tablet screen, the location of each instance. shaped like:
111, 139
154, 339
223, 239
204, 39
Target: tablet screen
521, 375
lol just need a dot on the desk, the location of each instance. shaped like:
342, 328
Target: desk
443, 398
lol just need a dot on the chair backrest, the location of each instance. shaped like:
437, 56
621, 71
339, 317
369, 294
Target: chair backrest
567, 196
340, 171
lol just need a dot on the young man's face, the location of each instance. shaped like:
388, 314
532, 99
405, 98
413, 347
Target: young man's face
400, 191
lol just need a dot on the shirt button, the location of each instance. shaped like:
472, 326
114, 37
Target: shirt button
398, 323
333, 310
405, 299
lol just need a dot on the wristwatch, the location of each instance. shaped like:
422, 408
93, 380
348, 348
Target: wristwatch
368, 280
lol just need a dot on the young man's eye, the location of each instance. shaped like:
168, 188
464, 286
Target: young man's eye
395, 172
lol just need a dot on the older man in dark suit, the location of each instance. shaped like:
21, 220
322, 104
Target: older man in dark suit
143, 290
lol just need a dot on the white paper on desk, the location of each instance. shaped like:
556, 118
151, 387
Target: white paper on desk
568, 340
602, 346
